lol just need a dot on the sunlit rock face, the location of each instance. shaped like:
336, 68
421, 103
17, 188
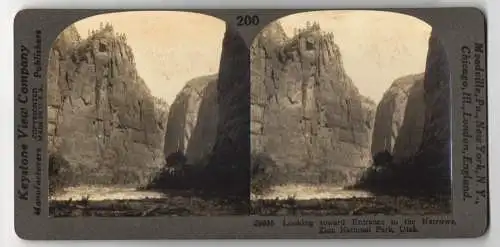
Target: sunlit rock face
400, 117
102, 118
192, 121
307, 115
411, 140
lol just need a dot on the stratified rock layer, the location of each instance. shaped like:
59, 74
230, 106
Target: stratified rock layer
307, 116
102, 118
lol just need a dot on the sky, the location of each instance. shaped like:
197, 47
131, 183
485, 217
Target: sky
377, 47
173, 47
170, 48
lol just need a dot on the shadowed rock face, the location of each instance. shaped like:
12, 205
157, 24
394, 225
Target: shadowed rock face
399, 121
230, 162
207, 134
435, 148
415, 132
102, 117
192, 121
306, 113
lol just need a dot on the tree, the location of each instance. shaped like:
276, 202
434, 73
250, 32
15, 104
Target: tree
383, 159
176, 159
58, 172
316, 25
262, 169
308, 24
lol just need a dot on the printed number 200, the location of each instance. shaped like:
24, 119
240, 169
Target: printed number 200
247, 20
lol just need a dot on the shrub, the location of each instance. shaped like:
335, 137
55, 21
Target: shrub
382, 159
411, 177
262, 169
59, 173
176, 174
176, 159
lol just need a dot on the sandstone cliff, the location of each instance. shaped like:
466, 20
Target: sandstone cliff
435, 148
399, 121
102, 118
413, 124
370, 109
192, 121
207, 129
230, 161
307, 116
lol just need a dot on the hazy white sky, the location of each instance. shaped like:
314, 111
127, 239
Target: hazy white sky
173, 47
170, 48
377, 47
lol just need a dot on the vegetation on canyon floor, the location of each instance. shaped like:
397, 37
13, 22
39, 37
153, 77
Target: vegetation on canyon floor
412, 177
380, 205
193, 190
174, 205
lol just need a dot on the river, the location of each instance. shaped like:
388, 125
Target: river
99, 193
299, 192
305, 192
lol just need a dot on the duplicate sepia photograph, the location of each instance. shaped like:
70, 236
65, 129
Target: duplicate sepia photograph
349, 116
146, 117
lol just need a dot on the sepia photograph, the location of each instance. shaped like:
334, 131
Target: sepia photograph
250, 123
349, 116
147, 117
